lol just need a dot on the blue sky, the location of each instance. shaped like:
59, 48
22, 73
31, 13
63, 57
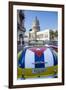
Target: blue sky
47, 19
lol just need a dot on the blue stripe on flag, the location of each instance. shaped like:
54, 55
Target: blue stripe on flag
21, 61
55, 58
38, 61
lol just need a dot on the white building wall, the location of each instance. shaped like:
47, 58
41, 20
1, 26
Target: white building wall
26, 36
43, 35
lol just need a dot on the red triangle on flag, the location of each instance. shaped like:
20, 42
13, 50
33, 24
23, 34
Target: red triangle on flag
38, 51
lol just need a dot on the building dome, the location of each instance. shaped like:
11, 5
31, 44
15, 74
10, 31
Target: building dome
35, 24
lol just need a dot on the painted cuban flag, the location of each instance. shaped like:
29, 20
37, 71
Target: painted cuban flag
37, 58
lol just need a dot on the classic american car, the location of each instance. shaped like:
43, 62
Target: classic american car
36, 62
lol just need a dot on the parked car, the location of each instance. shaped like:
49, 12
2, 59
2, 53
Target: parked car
37, 62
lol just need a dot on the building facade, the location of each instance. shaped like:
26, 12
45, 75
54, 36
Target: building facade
35, 29
43, 35
37, 34
20, 27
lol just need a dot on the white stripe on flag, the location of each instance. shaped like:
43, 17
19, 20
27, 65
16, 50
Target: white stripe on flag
29, 59
48, 58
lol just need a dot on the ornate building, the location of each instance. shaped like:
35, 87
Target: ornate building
20, 27
35, 29
46, 35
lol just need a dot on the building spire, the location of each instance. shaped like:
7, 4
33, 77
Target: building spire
35, 24
36, 18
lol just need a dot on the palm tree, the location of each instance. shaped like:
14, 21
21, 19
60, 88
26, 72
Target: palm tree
52, 34
56, 33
